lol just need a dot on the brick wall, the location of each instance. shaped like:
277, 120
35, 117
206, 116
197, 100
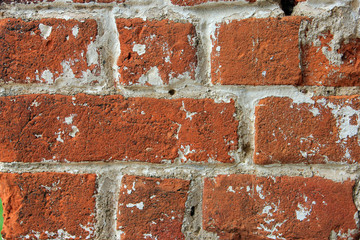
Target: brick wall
180, 119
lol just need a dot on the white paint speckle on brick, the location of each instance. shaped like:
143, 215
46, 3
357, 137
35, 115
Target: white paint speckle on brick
230, 189
343, 116
45, 30
189, 114
59, 139
92, 55
139, 49
69, 120
152, 77
47, 76
259, 191
139, 205
302, 213
74, 131
75, 31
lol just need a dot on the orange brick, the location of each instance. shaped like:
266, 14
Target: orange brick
319, 132
251, 207
106, 128
318, 70
164, 48
48, 205
36, 51
152, 207
257, 52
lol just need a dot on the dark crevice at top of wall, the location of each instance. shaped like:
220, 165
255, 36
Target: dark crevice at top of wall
287, 6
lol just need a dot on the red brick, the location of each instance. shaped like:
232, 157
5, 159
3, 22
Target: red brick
250, 207
48, 205
323, 131
29, 54
197, 2
151, 208
257, 52
164, 46
318, 70
93, 128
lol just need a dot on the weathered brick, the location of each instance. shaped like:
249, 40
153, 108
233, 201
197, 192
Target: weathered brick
251, 207
325, 129
151, 208
42, 50
93, 128
155, 52
48, 205
197, 2
319, 70
257, 52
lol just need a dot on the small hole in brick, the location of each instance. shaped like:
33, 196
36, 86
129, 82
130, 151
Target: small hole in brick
192, 211
287, 6
171, 92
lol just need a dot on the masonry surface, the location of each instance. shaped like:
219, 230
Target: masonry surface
180, 119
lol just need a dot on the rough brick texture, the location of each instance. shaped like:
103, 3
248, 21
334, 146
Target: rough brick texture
42, 50
250, 207
48, 205
325, 130
151, 208
91, 128
117, 117
319, 70
257, 52
155, 52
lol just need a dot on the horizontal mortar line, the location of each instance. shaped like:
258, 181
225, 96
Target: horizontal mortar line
193, 91
210, 6
149, 169
281, 90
